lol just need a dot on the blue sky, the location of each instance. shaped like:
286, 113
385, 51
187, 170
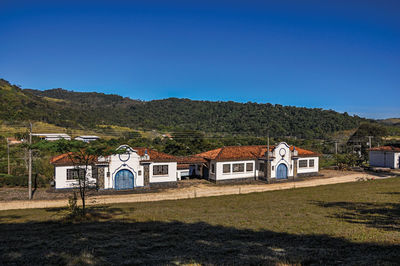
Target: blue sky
341, 55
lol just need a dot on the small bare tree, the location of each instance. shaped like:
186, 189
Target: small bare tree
83, 157
82, 160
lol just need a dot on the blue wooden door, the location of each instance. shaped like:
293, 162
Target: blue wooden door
281, 171
124, 180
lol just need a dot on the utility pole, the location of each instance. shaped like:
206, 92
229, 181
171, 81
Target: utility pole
370, 141
30, 163
267, 163
336, 149
8, 158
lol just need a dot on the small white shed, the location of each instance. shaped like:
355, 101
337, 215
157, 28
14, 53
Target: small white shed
385, 156
87, 138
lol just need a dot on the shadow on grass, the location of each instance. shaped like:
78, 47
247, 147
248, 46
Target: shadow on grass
379, 215
93, 213
121, 242
9, 217
390, 193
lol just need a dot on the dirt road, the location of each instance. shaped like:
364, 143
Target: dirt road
185, 193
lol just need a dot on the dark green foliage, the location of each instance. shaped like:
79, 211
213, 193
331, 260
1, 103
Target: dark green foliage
88, 110
368, 129
21, 181
348, 160
326, 161
360, 138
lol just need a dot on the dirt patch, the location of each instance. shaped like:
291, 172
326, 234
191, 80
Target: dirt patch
8, 194
327, 173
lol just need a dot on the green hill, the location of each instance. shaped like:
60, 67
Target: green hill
88, 110
391, 121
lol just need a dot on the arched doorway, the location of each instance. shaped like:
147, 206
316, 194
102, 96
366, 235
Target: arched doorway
281, 171
124, 180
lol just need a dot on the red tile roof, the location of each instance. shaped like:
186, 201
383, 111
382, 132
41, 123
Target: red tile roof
386, 148
155, 156
183, 166
304, 153
68, 159
193, 159
246, 152
12, 141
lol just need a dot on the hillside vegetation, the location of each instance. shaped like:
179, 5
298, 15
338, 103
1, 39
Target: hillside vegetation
88, 110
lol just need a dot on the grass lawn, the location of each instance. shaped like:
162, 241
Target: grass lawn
354, 223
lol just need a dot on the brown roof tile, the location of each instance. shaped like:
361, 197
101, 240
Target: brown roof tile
386, 148
193, 159
246, 152
155, 155
68, 159
13, 141
183, 166
65, 159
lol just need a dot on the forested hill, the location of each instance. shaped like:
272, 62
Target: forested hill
87, 110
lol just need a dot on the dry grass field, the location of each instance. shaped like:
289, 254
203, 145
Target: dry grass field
103, 131
353, 223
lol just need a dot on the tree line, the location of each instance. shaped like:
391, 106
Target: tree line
89, 110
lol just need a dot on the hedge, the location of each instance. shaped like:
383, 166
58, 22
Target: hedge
21, 181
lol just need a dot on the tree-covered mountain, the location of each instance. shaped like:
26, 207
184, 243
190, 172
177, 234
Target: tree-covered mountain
88, 110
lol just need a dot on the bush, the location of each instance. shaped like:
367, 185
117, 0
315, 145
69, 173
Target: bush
327, 161
348, 160
21, 181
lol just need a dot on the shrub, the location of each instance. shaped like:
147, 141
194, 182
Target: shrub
21, 181
327, 161
348, 160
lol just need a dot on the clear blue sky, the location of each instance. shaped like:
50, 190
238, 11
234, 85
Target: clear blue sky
341, 55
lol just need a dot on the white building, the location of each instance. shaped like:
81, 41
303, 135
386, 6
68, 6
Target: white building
87, 138
52, 136
385, 156
138, 167
142, 167
235, 163
190, 166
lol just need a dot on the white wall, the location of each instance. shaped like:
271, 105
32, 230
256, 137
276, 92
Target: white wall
390, 159
281, 155
116, 164
232, 175
182, 174
61, 177
212, 175
376, 158
171, 177
308, 169
282, 149
384, 159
